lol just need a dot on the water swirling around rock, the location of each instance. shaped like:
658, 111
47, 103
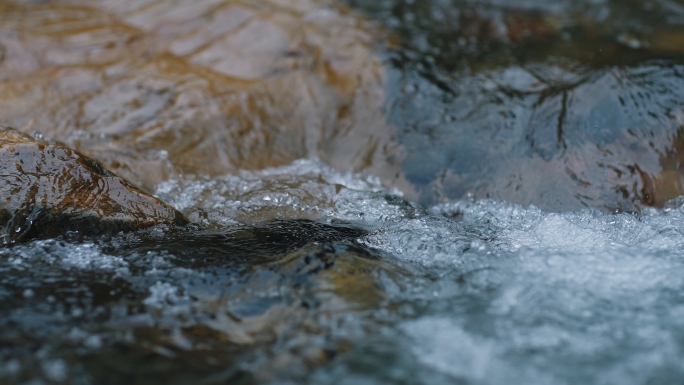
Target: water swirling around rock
295, 136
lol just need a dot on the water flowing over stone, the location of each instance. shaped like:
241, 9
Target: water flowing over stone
470, 291
383, 192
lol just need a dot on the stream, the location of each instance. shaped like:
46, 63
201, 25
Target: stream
453, 192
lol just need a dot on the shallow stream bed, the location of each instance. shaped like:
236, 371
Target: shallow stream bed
515, 218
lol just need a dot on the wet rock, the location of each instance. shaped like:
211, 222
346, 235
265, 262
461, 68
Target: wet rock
564, 105
176, 89
49, 189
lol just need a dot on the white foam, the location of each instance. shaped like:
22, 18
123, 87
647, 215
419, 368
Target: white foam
496, 293
443, 345
55, 370
307, 188
85, 256
581, 286
167, 297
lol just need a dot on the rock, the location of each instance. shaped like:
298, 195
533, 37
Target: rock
49, 189
198, 87
552, 104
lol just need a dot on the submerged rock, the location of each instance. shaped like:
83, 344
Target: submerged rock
49, 189
160, 89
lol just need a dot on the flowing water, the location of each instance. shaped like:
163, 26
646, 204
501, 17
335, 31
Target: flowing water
507, 249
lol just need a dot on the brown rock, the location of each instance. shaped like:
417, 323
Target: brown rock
160, 90
48, 189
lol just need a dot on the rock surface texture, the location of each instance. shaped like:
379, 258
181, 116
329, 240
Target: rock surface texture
49, 189
157, 89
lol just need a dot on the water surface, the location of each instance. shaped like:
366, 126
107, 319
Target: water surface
466, 196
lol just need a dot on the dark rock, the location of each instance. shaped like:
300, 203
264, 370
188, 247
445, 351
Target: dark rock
49, 189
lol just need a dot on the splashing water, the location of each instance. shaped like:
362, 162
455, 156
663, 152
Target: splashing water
465, 292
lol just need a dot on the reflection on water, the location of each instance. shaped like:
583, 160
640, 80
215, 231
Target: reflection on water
560, 104
296, 136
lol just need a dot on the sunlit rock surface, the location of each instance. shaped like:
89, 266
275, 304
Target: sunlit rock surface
159, 89
49, 189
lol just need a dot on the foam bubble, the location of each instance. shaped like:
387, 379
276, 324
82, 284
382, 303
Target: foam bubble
529, 294
307, 188
85, 256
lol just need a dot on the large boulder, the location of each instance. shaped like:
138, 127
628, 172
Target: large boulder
160, 89
49, 189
